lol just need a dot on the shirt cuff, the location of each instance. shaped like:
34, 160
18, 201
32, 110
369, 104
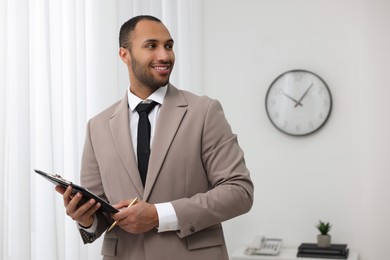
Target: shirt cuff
167, 218
92, 229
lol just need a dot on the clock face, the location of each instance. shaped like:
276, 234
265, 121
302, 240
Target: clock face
298, 102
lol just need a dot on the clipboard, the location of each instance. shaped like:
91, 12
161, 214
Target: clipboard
87, 195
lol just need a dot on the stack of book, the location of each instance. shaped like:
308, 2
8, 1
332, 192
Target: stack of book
335, 251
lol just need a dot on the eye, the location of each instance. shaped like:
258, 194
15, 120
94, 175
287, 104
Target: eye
169, 46
151, 46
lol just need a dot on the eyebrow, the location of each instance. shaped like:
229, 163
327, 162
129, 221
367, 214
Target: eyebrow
155, 40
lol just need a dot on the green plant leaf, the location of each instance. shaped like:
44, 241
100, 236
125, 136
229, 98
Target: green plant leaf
324, 227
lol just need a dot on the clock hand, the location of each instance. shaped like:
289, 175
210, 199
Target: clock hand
293, 99
304, 94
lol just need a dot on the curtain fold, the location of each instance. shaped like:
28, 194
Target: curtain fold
59, 66
16, 143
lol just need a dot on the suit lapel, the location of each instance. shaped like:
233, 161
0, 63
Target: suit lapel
120, 129
171, 114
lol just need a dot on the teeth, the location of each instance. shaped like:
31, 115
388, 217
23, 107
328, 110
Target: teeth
161, 68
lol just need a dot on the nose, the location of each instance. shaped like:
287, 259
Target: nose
163, 54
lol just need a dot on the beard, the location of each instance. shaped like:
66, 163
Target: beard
145, 77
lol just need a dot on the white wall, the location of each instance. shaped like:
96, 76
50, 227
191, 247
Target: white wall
340, 174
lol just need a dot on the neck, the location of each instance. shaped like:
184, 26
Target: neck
142, 92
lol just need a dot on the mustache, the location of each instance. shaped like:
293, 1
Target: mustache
163, 62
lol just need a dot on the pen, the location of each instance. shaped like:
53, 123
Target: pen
114, 224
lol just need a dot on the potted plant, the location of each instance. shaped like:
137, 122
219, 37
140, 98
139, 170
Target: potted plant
323, 239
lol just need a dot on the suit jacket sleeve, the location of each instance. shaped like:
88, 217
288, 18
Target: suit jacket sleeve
231, 189
93, 181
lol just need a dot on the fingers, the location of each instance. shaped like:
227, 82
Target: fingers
124, 216
60, 189
77, 209
91, 211
83, 212
120, 204
123, 204
67, 195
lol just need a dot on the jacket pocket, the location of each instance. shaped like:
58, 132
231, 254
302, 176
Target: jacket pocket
206, 238
109, 246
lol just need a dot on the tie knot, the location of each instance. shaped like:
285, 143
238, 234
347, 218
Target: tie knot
145, 107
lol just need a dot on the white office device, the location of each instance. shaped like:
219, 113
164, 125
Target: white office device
264, 246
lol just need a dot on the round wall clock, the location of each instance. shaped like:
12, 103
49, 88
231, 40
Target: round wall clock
298, 102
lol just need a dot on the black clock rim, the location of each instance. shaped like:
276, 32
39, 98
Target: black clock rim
330, 105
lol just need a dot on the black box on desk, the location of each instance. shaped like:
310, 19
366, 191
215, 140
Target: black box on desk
335, 251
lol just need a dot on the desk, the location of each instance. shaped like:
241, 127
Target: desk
285, 254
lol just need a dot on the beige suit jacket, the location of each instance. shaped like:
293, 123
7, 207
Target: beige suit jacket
195, 163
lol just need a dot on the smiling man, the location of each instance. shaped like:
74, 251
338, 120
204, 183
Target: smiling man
187, 172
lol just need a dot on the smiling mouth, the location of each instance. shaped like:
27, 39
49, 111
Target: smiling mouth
162, 69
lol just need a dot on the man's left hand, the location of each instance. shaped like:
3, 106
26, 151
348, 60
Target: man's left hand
138, 218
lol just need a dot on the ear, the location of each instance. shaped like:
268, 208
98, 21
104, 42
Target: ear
124, 54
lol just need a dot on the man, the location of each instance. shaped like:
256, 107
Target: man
196, 176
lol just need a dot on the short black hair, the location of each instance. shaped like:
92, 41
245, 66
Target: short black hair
128, 27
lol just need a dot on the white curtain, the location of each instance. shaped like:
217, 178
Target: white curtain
59, 66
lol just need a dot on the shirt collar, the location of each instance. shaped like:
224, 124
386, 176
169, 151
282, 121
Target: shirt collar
157, 96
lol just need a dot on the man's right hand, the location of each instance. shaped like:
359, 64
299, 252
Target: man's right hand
83, 214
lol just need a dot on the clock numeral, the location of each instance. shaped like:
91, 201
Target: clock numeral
325, 102
298, 129
276, 115
278, 91
298, 76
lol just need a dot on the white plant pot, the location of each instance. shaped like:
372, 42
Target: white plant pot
323, 240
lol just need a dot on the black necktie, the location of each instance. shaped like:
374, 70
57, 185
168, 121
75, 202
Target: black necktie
143, 139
